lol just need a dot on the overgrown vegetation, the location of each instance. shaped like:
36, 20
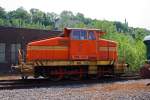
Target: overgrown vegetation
129, 49
129, 39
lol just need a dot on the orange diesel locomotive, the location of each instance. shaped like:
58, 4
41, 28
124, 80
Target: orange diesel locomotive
77, 53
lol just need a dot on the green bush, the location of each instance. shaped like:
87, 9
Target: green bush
130, 49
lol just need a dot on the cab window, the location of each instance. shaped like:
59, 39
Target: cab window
75, 35
91, 36
79, 35
83, 35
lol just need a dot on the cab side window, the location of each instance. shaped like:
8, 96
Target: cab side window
91, 35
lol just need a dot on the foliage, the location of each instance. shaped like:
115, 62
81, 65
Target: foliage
129, 49
130, 45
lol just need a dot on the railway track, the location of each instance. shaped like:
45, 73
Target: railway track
40, 83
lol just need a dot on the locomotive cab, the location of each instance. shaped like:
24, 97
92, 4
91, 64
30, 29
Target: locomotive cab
83, 43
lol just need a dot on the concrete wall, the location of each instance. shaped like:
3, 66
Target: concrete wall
11, 39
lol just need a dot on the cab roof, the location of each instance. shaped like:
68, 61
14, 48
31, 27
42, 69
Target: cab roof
83, 29
67, 30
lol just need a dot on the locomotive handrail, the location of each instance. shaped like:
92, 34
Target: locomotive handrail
20, 59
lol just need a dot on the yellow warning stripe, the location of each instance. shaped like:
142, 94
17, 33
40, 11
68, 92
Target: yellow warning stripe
107, 48
47, 48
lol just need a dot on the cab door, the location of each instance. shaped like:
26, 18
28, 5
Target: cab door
82, 45
92, 45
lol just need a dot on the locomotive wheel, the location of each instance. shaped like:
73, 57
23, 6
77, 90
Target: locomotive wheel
57, 74
93, 77
96, 75
77, 77
100, 73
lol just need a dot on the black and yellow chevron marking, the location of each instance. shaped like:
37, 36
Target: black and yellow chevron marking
68, 63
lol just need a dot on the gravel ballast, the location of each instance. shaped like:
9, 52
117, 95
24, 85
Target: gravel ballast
121, 90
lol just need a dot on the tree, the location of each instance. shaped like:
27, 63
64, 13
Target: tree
80, 17
2, 13
37, 16
66, 19
140, 33
121, 27
19, 16
51, 19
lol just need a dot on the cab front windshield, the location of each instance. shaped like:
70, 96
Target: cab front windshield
82, 35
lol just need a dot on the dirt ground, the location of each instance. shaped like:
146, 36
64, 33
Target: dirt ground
138, 89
